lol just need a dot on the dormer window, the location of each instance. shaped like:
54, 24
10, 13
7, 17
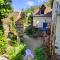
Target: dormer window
42, 9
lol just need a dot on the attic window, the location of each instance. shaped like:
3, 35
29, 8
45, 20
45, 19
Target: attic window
42, 11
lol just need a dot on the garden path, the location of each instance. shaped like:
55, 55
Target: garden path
32, 43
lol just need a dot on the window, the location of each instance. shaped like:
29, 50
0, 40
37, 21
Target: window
58, 8
42, 11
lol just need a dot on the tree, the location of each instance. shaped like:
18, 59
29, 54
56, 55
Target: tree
52, 3
23, 15
5, 8
49, 3
31, 9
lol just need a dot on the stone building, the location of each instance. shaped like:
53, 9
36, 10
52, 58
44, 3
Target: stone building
42, 15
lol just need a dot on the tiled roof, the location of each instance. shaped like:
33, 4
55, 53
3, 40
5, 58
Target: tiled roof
48, 11
36, 11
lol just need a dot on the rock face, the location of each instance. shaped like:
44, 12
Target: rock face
17, 21
19, 26
6, 26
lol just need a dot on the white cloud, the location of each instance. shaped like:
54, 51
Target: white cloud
30, 3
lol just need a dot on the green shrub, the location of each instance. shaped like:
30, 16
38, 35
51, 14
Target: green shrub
13, 38
3, 43
33, 32
29, 31
39, 54
16, 53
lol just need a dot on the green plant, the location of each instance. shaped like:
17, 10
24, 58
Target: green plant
5, 8
12, 34
16, 53
33, 32
29, 31
39, 54
12, 26
3, 43
13, 38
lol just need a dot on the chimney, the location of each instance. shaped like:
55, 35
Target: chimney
42, 9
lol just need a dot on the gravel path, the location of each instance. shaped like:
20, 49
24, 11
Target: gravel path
32, 43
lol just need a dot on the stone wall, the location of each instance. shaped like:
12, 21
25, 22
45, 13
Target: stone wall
6, 26
17, 21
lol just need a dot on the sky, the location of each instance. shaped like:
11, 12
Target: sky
23, 4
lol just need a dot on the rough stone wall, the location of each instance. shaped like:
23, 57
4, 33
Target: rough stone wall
19, 28
6, 26
18, 23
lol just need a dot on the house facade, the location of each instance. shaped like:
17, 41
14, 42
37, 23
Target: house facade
41, 16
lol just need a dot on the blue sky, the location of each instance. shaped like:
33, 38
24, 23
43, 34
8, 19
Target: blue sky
23, 4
